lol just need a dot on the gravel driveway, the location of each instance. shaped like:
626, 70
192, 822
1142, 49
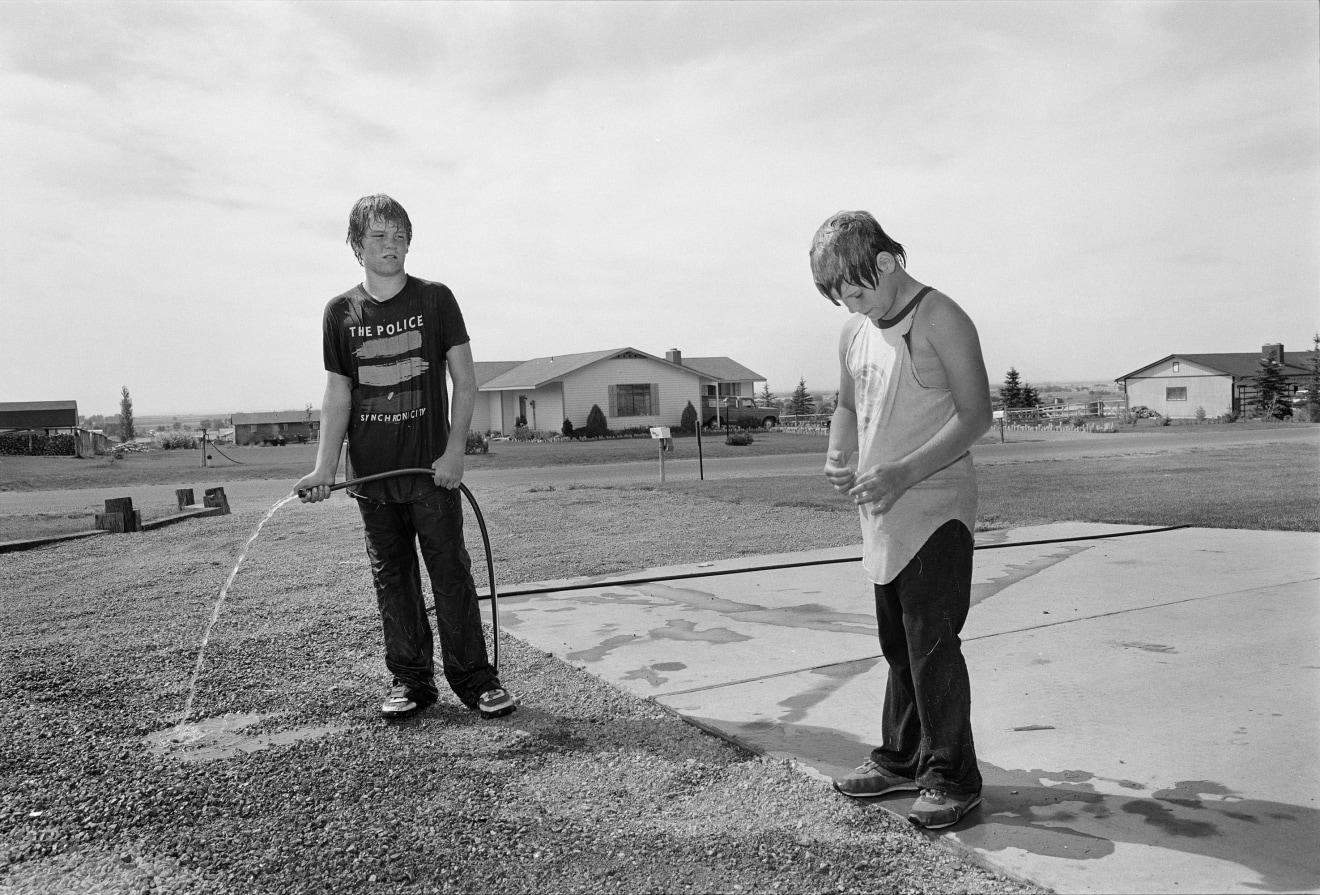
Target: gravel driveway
583, 789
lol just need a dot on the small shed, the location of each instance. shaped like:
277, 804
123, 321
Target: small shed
43, 428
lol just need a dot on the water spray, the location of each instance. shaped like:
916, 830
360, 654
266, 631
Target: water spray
485, 540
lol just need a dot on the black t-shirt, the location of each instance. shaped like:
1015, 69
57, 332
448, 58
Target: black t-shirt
394, 353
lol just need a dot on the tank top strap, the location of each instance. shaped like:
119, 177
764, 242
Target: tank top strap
907, 309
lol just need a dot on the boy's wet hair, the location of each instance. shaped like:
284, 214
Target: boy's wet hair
374, 208
844, 249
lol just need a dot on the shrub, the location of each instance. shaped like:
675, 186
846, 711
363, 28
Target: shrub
1200, 414
176, 441
568, 429
522, 433
741, 438
688, 421
476, 444
1229, 417
596, 427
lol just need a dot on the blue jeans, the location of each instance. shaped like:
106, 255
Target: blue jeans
393, 532
927, 721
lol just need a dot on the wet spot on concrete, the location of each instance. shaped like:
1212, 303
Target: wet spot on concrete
1162, 816
676, 629
1242, 816
669, 666
1148, 647
1015, 573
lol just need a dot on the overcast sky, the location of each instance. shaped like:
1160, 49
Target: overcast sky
1098, 184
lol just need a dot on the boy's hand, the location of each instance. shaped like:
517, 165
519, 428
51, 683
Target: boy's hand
316, 485
449, 469
837, 470
880, 487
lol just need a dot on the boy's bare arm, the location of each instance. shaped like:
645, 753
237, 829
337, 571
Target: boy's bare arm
449, 466
336, 405
843, 424
953, 337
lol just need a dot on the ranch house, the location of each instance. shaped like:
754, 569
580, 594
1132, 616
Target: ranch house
1175, 386
280, 427
631, 387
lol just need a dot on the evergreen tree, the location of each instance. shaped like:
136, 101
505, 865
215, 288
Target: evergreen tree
802, 401
1030, 397
1010, 393
126, 416
596, 426
767, 396
688, 421
1271, 390
1313, 379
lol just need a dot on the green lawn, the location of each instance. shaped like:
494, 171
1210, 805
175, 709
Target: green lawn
1274, 486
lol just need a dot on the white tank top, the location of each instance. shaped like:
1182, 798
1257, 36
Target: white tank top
896, 414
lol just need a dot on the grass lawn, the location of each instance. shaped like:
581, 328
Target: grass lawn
294, 461
1274, 486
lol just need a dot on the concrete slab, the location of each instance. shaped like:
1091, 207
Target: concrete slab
1145, 706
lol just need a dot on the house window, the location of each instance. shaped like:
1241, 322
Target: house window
1176, 366
1176, 393
634, 400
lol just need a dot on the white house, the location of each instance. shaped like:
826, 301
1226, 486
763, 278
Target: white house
631, 387
1175, 386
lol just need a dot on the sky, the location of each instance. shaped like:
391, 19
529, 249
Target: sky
1099, 185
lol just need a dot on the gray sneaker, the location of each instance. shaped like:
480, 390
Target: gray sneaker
872, 780
936, 809
496, 703
403, 701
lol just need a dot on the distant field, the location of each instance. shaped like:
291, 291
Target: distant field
294, 461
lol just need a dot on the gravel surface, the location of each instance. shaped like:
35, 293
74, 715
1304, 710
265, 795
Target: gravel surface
585, 788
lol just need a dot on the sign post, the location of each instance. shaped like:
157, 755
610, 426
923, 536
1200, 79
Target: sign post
662, 435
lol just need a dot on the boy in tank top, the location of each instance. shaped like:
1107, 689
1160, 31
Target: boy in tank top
913, 399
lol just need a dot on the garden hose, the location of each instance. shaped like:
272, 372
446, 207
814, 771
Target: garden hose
485, 540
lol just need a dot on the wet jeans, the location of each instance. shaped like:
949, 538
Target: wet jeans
927, 721
393, 531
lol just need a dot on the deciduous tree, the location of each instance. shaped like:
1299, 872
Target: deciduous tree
126, 415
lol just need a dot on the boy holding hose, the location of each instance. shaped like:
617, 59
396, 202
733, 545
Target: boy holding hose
913, 399
387, 344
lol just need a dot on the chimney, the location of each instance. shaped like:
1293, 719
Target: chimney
1272, 352
674, 356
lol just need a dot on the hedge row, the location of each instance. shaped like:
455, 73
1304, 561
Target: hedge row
12, 445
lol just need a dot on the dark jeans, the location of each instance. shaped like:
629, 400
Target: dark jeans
393, 531
927, 721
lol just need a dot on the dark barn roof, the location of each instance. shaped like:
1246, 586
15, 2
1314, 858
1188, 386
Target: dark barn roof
39, 415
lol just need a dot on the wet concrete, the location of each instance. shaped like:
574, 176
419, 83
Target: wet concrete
1145, 706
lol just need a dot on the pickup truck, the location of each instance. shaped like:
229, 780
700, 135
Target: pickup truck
734, 411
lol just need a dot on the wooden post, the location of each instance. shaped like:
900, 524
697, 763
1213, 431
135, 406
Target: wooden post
185, 497
215, 497
119, 516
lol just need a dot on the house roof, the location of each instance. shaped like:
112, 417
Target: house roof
499, 375
489, 369
1239, 365
38, 414
279, 416
723, 369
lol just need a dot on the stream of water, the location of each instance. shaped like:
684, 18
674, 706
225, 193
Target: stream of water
219, 603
